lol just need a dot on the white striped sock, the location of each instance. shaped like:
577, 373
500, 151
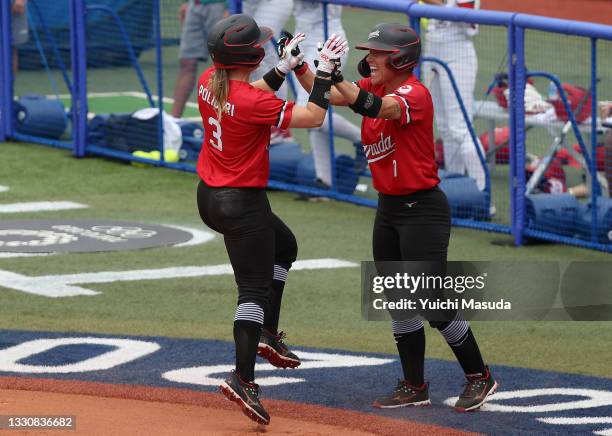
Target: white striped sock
280, 273
456, 331
406, 326
249, 312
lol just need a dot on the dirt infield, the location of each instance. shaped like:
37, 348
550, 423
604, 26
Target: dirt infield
597, 11
129, 410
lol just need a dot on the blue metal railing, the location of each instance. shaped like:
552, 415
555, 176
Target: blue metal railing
516, 25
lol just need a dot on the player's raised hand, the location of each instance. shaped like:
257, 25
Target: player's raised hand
289, 52
330, 53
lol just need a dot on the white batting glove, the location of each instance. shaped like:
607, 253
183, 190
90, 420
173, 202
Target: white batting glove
289, 52
330, 53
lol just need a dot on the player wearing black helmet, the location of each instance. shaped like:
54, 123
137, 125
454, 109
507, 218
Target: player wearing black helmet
234, 167
413, 216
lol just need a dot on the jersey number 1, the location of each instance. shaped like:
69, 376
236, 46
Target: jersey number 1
216, 134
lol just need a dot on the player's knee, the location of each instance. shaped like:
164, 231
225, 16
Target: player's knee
441, 320
459, 135
258, 296
290, 249
286, 248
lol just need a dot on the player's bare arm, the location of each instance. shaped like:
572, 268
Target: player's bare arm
389, 107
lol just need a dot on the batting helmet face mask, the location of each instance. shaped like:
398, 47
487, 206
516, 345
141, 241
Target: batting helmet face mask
237, 41
400, 41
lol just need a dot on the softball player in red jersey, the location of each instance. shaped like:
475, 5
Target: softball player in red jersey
413, 217
233, 167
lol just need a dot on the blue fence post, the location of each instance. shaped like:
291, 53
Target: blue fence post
595, 188
160, 83
6, 71
78, 54
3, 108
234, 6
512, 142
517, 60
415, 23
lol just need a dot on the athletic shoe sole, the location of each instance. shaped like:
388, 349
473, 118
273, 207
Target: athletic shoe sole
231, 395
479, 405
276, 359
397, 406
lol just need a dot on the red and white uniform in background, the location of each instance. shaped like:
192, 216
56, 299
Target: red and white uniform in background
273, 14
401, 152
235, 150
309, 20
452, 43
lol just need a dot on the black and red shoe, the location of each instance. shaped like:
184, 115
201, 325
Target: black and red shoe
272, 348
404, 395
478, 388
246, 395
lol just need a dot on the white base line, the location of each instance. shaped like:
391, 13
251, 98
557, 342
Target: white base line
582, 420
40, 206
7, 255
3, 188
577, 420
197, 236
64, 285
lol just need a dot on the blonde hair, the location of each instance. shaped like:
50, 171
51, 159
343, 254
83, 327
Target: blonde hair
219, 87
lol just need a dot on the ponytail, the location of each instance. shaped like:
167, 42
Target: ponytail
219, 87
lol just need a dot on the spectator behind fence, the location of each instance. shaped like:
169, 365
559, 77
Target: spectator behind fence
452, 43
197, 18
309, 19
19, 25
273, 14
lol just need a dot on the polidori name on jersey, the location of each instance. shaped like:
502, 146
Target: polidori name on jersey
207, 97
379, 149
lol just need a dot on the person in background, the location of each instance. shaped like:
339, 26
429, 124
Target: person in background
309, 19
274, 15
452, 43
196, 18
19, 27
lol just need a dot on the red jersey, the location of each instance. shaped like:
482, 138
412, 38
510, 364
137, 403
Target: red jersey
235, 150
401, 152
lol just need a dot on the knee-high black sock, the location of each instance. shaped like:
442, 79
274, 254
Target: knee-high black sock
459, 336
468, 355
276, 296
246, 338
411, 348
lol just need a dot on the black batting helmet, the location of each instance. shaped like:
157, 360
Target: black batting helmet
236, 41
400, 41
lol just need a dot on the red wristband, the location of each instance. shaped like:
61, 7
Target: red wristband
301, 69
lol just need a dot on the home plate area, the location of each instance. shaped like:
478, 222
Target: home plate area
330, 393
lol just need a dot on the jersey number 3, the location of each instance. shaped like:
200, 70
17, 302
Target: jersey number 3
215, 141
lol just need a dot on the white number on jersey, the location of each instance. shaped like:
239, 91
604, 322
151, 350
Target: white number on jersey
216, 134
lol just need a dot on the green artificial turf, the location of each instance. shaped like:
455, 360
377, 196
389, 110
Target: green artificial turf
321, 308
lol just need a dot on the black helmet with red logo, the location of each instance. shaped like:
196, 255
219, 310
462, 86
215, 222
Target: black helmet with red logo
236, 41
400, 41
